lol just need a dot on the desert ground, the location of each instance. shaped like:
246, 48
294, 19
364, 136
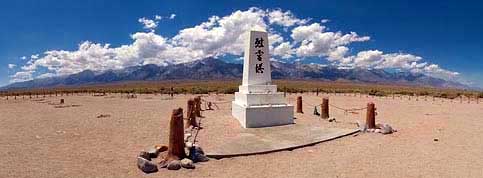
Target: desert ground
441, 138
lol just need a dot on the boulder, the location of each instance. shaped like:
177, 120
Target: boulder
146, 166
187, 163
174, 165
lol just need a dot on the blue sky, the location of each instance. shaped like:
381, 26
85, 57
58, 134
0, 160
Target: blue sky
399, 33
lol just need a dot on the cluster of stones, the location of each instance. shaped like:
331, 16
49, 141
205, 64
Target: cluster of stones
182, 151
379, 128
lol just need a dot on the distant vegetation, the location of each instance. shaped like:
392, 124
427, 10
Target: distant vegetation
230, 87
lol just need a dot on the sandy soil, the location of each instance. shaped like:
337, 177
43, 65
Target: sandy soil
39, 140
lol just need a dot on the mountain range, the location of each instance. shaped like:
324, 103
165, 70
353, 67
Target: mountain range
216, 69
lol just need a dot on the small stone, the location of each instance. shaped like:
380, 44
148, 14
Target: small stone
201, 158
153, 153
386, 129
362, 126
187, 163
377, 130
188, 144
146, 166
174, 165
436, 139
161, 148
145, 155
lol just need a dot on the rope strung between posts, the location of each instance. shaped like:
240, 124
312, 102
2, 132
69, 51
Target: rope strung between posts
350, 110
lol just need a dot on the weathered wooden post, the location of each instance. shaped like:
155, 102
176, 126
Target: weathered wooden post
176, 137
299, 104
317, 91
198, 106
172, 92
371, 116
461, 98
469, 99
284, 92
190, 114
324, 108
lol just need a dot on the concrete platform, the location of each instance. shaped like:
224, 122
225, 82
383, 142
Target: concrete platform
271, 139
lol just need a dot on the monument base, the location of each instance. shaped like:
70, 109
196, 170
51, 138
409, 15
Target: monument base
263, 115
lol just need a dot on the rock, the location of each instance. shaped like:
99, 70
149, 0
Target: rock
188, 144
386, 129
362, 126
201, 158
161, 148
332, 119
146, 166
153, 152
187, 163
145, 155
174, 165
377, 130
436, 139
197, 154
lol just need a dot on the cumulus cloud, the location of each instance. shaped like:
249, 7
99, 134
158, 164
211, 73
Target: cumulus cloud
149, 24
315, 41
220, 36
286, 19
11, 66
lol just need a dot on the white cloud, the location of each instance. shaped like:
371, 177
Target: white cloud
34, 56
286, 19
11, 66
224, 35
315, 41
148, 23
24, 57
21, 76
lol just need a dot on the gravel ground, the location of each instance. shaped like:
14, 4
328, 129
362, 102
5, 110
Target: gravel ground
38, 139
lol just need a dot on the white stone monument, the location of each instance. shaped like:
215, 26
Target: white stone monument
257, 103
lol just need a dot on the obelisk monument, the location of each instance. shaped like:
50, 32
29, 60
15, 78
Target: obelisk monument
257, 103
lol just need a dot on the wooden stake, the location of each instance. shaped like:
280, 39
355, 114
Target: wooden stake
176, 137
198, 106
324, 108
190, 114
299, 104
371, 116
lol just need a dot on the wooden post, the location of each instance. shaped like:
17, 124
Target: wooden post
371, 116
176, 137
317, 91
198, 106
324, 108
172, 92
284, 92
461, 98
190, 114
299, 104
